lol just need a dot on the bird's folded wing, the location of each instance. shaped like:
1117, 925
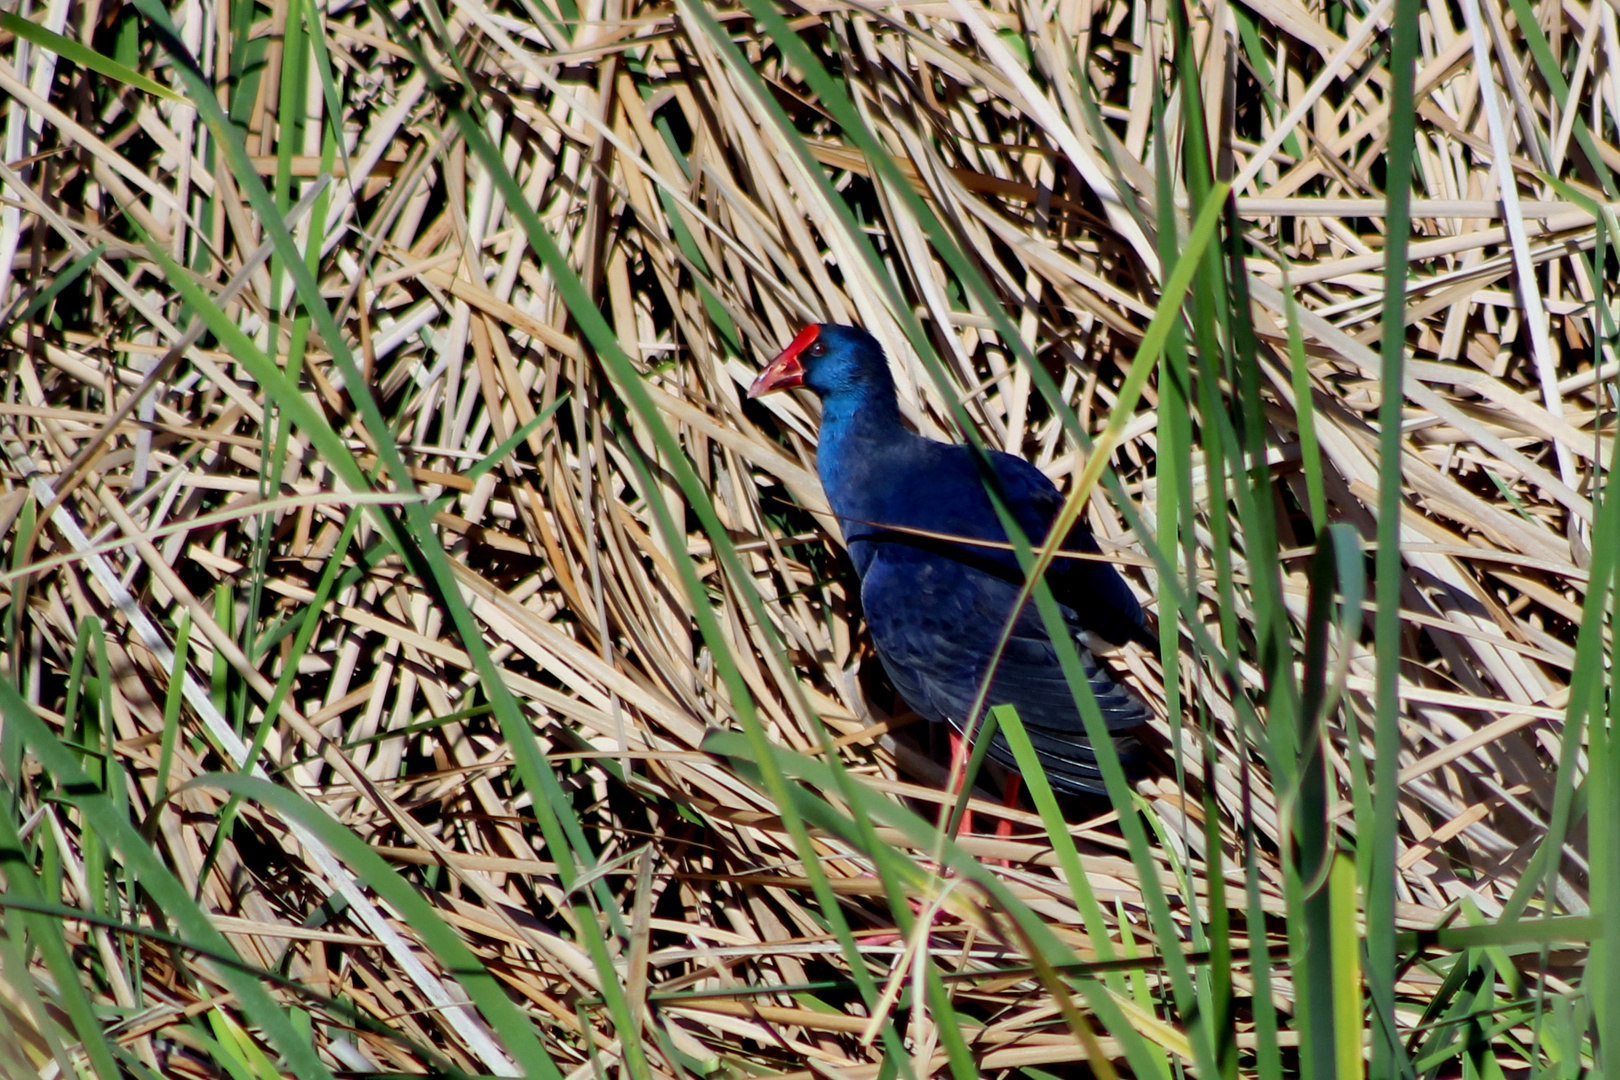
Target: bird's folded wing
936, 623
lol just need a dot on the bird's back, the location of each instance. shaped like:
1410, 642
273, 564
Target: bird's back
936, 497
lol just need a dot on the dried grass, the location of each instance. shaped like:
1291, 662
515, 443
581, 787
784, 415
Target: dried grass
697, 229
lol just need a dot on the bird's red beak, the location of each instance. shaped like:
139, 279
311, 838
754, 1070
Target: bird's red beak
785, 372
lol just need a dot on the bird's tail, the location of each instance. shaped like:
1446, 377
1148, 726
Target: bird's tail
1067, 752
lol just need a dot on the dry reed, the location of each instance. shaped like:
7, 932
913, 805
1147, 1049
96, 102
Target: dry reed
149, 479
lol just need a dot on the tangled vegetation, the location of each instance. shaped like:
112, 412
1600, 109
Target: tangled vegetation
419, 657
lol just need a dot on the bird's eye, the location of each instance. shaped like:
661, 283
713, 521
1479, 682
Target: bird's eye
818, 349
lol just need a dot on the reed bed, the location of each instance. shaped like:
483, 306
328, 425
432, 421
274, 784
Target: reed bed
421, 658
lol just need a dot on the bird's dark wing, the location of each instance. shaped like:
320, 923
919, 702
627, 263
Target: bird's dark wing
935, 623
1098, 594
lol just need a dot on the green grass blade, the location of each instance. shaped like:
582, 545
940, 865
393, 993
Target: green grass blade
69, 49
1345, 950
155, 878
1378, 853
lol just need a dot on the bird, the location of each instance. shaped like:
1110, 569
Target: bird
938, 580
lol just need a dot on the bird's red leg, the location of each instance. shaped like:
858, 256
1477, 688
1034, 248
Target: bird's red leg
959, 769
959, 753
1009, 800
959, 757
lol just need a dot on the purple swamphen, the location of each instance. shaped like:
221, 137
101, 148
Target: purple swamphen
936, 602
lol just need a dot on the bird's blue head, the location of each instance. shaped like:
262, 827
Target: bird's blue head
842, 365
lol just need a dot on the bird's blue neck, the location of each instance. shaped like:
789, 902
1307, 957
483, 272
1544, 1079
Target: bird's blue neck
863, 413
860, 431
